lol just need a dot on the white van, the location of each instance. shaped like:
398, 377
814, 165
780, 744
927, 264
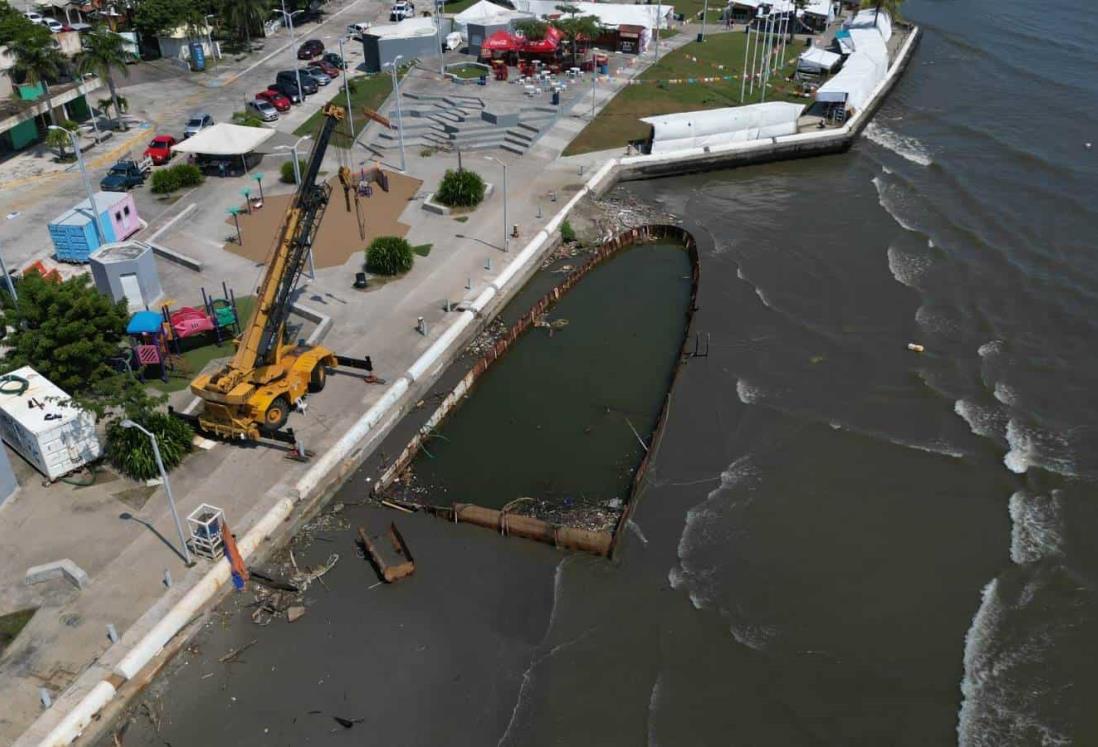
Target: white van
356, 30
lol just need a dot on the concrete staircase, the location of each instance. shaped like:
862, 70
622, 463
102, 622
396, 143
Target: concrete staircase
454, 121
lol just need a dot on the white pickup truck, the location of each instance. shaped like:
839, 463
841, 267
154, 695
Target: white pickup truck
402, 10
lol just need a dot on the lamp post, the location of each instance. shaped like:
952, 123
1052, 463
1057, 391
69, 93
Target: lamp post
438, 36
297, 181
216, 49
87, 185
400, 117
705, 12
235, 212
167, 488
504, 165
289, 17
347, 93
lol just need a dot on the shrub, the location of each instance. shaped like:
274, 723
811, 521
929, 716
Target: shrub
130, 450
286, 172
165, 181
188, 174
389, 255
246, 120
567, 233
460, 189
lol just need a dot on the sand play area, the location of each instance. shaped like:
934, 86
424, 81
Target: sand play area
339, 237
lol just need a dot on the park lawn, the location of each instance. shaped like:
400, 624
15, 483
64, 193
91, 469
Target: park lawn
369, 93
619, 121
11, 624
467, 71
196, 358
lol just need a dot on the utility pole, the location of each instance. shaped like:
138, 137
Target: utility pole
400, 117
96, 219
347, 93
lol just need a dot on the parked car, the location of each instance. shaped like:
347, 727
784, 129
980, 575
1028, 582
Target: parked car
196, 124
317, 73
160, 149
326, 67
262, 109
310, 49
53, 25
275, 99
287, 89
33, 17
357, 30
308, 85
402, 10
334, 60
126, 174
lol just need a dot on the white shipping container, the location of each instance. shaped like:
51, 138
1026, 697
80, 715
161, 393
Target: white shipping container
44, 428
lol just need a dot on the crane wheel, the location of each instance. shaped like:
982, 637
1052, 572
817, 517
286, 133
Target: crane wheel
276, 416
318, 378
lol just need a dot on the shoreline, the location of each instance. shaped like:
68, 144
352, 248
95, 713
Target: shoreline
168, 625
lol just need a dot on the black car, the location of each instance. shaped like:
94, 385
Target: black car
310, 49
308, 83
334, 60
288, 89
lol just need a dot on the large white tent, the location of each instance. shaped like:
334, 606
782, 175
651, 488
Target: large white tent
609, 14
871, 18
671, 132
487, 13
818, 60
224, 139
862, 71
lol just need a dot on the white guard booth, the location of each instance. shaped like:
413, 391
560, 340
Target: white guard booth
227, 141
671, 132
55, 437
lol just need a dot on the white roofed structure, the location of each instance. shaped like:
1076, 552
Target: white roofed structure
863, 70
671, 132
609, 14
870, 18
815, 58
224, 139
487, 13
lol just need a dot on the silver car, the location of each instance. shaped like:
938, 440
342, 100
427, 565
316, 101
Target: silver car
196, 124
322, 78
262, 109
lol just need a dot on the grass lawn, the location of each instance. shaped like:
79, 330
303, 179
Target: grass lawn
618, 123
11, 624
422, 249
467, 71
369, 93
196, 355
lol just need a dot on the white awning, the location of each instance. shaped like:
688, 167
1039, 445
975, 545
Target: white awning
487, 13
609, 14
870, 18
818, 59
671, 132
225, 139
861, 73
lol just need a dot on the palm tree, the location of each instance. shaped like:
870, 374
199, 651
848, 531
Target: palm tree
38, 59
245, 15
103, 53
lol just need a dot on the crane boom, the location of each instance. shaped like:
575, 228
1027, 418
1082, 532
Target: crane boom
265, 377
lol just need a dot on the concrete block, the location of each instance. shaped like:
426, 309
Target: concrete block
65, 568
502, 117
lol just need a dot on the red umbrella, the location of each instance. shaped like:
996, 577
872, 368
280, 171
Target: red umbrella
501, 41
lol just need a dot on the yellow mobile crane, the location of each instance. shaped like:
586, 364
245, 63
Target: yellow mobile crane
252, 395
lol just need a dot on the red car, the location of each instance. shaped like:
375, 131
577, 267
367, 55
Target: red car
160, 149
329, 69
275, 99
310, 49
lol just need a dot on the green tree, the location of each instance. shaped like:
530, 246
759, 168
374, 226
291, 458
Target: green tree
892, 7
389, 255
245, 16
67, 331
38, 59
59, 141
13, 24
157, 17
462, 188
571, 10
576, 28
104, 53
531, 28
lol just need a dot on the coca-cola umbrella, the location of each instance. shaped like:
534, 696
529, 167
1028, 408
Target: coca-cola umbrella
546, 45
501, 41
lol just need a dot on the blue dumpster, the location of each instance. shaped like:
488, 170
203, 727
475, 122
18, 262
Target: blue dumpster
198, 57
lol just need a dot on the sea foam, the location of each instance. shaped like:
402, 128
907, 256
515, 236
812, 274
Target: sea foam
902, 145
1036, 526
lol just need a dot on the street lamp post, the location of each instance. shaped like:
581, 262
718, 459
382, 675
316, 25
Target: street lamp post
293, 43
209, 37
400, 117
705, 12
347, 93
504, 165
438, 36
297, 181
167, 488
87, 185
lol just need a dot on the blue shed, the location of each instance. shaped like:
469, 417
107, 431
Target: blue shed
73, 232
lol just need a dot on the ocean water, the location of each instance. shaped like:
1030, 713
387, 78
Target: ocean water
842, 541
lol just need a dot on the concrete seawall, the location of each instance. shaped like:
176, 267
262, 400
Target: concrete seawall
95, 699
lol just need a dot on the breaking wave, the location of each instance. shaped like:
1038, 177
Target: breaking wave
902, 145
1030, 447
906, 267
1036, 526
747, 393
983, 421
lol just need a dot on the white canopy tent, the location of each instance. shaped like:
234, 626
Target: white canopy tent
869, 19
487, 13
671, 132
224, 139
609, 14
818, 60
862, 71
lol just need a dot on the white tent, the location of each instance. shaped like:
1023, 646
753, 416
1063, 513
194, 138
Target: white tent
609, 14
818, 60
671, 132
861, 73
225, 139
870, 18
487, 13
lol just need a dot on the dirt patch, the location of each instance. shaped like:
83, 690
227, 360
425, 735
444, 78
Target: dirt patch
342, 234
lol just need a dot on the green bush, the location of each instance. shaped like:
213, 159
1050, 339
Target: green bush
165, 181
389, 255
176, 177
567, 233
460, 189
286, 172
130, 451
246, 120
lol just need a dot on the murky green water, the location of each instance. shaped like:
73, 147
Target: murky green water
551, 419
